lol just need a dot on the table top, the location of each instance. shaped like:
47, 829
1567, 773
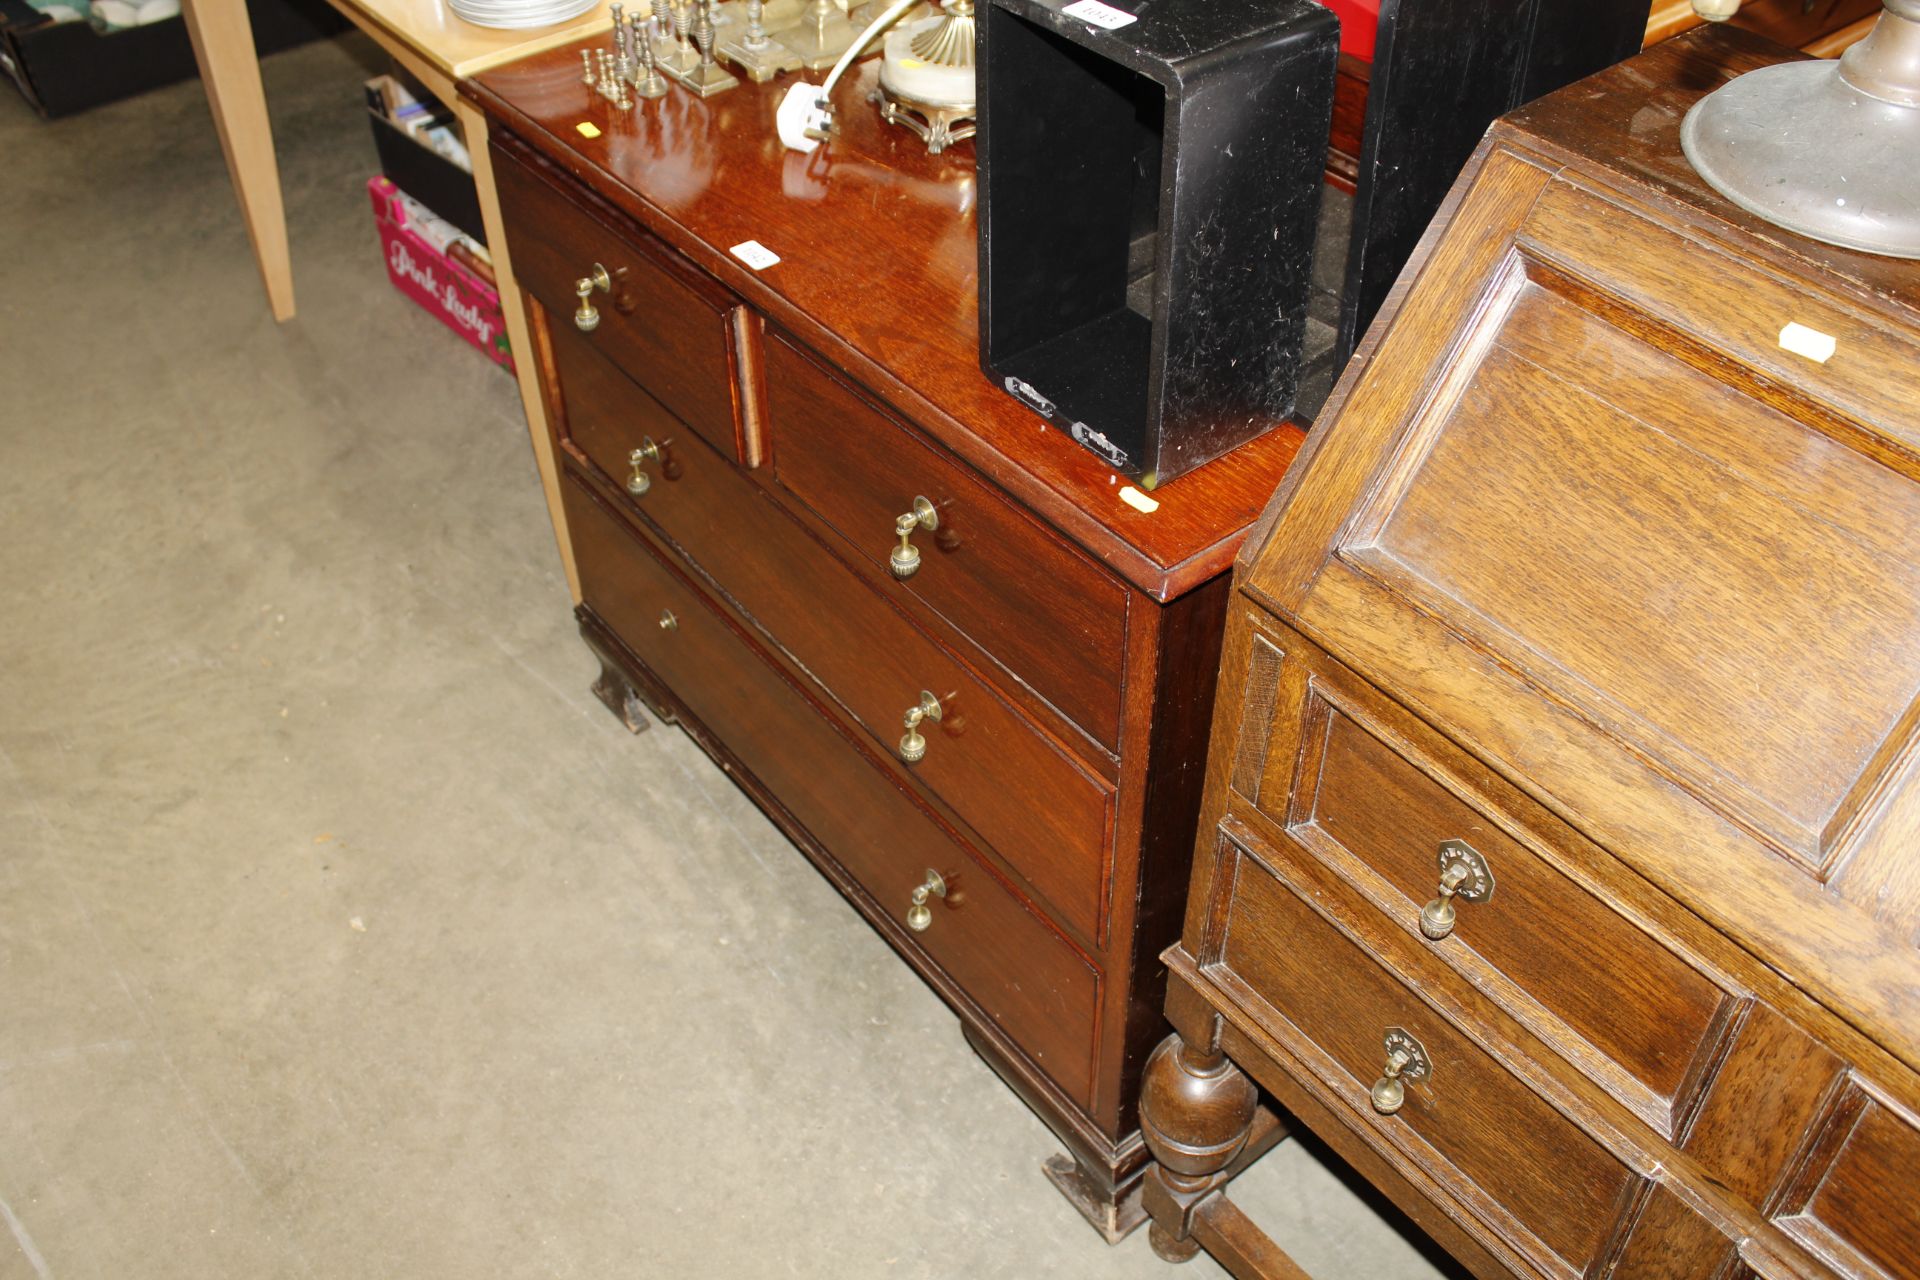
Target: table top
878, 271
457, 48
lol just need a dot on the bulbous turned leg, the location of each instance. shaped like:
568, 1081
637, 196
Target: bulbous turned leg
1196, 1111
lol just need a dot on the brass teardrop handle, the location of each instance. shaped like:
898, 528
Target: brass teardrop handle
912, 745
1464, 874
1407, 1059
668, 622
919, 916
639, 482
585, 317
905, 560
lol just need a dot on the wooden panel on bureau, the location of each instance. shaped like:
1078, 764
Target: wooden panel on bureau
1853, 1202
1571, 704
761, 431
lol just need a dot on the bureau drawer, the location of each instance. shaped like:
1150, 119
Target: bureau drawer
1002, 775
671, 328
1393, 821
1056, 619
1517, 1164
1028, 979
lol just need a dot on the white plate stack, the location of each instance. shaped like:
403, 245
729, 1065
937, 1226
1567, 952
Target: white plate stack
517, 15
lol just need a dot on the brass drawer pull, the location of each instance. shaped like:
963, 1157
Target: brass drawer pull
918, 915
905, 560
1463, 874
639, 482
1407, 1059
668, 622
912, 745
585, 317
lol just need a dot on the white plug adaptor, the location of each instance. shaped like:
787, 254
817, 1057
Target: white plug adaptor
804, 109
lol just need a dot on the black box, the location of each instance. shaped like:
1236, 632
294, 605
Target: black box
64, 67
1148, 196
423, 173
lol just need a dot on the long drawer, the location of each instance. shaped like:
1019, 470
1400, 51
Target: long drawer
1541, 1182
1026, 977
1027, 796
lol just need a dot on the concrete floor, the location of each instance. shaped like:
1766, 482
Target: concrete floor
342, 933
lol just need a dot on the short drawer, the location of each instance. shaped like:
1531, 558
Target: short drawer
1024, 975
1517, 1164
1053, 617
671, 328
1377, 808
1038, 806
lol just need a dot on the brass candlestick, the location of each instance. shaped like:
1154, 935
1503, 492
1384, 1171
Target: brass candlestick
759, 56
707, 78
821, 36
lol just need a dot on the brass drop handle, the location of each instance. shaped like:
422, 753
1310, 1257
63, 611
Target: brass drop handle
1464, 875
1407, 1059
912, 745
668, 622
585, 317
918, 914
639, 482
905, 560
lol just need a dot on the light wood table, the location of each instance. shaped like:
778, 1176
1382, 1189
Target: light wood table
436, 48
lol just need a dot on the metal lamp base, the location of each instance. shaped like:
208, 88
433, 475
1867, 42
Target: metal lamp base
939, 125
1800, 146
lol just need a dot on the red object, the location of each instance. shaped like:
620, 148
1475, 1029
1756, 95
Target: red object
1359, 23
465, 303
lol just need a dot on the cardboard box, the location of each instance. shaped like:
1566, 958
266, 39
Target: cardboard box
420, 266
420, 171
64, 67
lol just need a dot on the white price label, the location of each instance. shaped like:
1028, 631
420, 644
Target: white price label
1805, 340
754, 254
1104, 16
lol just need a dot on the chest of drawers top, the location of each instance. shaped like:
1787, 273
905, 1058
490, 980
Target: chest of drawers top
878, 273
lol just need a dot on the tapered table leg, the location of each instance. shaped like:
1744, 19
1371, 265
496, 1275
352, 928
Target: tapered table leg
230, 68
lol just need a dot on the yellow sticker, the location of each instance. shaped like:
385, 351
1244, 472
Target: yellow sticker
1139, 501
588, 129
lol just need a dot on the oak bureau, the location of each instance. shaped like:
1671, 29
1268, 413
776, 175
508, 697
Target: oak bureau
926, 633
1560, 861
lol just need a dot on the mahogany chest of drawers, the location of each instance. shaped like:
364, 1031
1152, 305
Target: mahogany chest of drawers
961, 663
1559, 863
